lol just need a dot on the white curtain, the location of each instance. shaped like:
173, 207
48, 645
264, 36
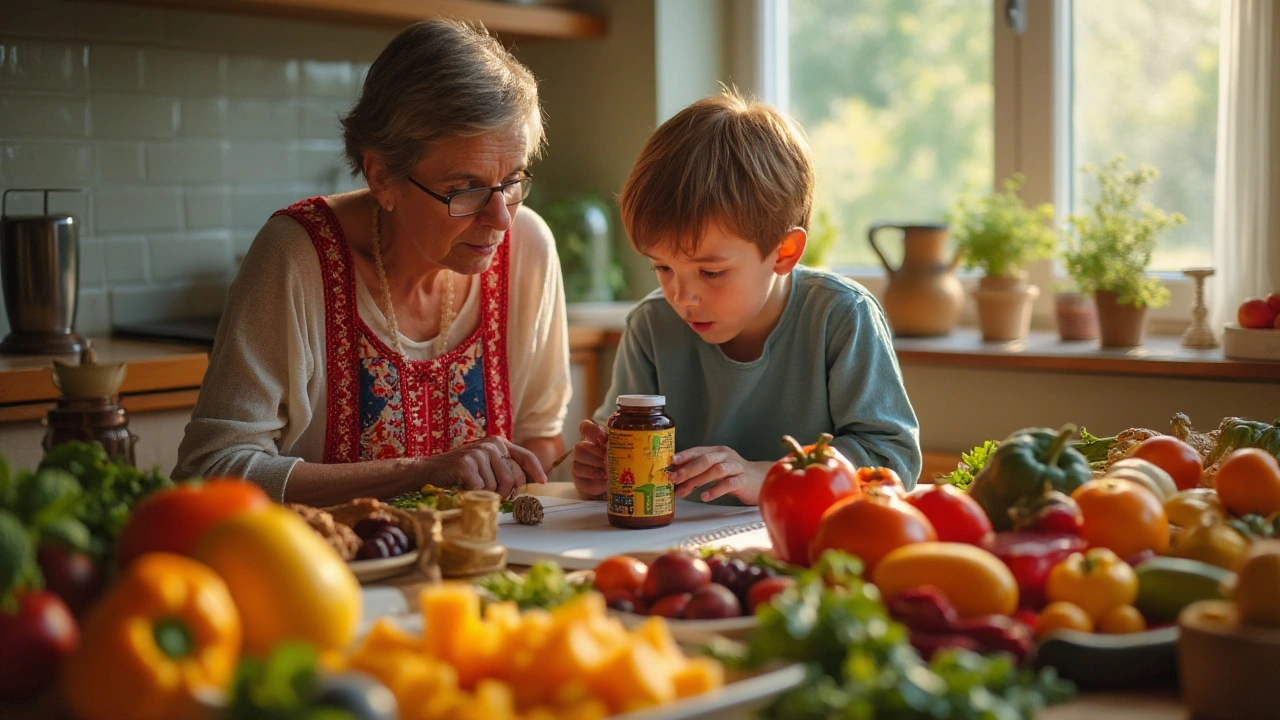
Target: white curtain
1246, 196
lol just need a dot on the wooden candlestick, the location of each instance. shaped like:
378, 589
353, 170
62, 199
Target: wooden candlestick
1199, 336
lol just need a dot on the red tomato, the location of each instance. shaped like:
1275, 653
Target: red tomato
870, 526
1175, 457
71, 575
174, 520
955, 516
33, 643
880, 477
764, 590
620, 573
1122, 516
1255, 313
1273, 302
797, 490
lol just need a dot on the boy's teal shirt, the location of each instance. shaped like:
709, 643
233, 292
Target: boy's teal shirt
828, 366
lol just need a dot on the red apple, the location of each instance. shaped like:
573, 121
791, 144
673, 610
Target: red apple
1254, 313
1273, 302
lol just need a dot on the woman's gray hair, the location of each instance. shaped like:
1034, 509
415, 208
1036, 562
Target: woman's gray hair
438, 79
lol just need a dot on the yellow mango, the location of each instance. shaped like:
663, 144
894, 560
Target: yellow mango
492, 700
450, 612
699, 675
386, 636
657, 634
478, 653
635, 678
587, 709
582, 608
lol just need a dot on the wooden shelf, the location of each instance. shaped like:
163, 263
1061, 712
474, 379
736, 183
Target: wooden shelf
509, 20
1156, 357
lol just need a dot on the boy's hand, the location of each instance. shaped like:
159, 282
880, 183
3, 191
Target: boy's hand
722, 469
588, 460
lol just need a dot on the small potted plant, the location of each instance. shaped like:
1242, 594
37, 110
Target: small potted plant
999, 234
1109, 246
1074, 313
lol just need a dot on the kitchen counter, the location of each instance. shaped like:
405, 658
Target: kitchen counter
159, 376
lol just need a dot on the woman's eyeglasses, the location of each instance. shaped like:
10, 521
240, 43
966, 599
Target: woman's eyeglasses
462, 203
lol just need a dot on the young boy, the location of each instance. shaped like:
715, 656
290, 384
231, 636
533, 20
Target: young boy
746, 345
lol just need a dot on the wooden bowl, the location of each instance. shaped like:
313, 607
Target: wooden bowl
1227, 670
1240, 343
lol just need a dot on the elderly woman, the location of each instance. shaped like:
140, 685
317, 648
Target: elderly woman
410, 333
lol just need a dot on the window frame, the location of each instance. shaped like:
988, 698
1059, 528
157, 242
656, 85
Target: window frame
1031, 82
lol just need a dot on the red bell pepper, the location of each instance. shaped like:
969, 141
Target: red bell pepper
797, 490
1030, 556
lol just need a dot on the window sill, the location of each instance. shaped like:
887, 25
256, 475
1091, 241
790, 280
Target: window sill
1158, 356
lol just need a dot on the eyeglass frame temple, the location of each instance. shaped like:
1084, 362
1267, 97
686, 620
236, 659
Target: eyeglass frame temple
448, 199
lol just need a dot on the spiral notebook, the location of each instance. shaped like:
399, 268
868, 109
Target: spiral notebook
577, 535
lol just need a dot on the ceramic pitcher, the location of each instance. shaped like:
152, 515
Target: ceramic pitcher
924, 296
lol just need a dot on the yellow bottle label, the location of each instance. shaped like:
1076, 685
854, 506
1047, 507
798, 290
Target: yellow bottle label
638, 483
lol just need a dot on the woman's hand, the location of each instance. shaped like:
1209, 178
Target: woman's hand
721, 470
589, 455
489, 464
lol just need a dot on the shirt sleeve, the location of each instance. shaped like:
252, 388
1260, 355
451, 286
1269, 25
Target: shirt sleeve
538, 332
256, 385
634, 370
875, 424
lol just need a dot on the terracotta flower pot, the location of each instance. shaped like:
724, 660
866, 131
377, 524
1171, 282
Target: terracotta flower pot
1076, 316
1119, 325
1004, 307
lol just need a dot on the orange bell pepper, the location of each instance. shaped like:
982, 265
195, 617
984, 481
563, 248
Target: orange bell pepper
165, 633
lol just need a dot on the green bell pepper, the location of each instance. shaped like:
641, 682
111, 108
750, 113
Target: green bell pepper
1022, 465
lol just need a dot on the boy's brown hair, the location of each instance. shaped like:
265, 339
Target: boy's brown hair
722, 159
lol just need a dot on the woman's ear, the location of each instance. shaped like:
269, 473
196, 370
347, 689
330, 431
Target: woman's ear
379, 180
790, 250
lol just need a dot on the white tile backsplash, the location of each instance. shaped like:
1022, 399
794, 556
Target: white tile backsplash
37, 116
203, 118
194, 162
166, 71
177, 258
263, 77
207, 208
132, 210
43, 164
125, 260
260, 119
115, 67
118, 115
120, 162
36, 65
185, 129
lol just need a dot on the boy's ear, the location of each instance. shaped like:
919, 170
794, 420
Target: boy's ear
790, 250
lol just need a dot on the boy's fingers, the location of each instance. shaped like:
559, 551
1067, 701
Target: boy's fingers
586, 451
722, 488
580, 469
592, 432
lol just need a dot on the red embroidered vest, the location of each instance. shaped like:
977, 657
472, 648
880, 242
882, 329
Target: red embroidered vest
381, 405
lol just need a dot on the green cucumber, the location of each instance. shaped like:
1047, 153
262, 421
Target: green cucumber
1166, 585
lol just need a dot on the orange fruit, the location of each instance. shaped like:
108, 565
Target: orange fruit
1248, 482
1175, 457
1122, 516
1062, 615
870, 526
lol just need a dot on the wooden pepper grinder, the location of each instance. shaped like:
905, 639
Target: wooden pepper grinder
89, 407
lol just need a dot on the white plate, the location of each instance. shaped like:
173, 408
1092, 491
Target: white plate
737, 628
742, 695
370, 570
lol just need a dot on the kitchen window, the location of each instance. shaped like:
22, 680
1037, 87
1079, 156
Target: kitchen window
908, 103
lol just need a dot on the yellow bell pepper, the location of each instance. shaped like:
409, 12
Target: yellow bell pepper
1194, 507
1215, 543
165, 633
1096, 581
287, 582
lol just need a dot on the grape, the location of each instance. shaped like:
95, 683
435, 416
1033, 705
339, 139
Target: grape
375, 548
747, 578
727, 573
402, 541
368, 527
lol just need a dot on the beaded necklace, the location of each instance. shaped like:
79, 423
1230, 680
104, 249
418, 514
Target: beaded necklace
446, 309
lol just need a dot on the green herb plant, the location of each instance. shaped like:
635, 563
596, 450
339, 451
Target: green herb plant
1109, 246
281, 687
971, 463
823, 234
998, 233
860, 664
545, 586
